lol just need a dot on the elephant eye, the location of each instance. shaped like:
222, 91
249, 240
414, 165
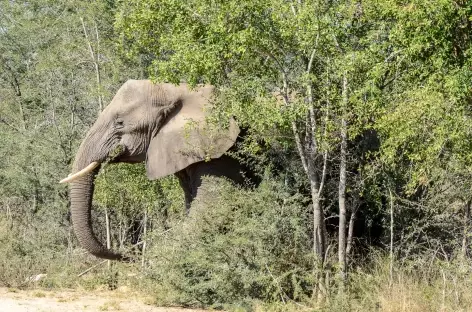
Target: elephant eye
119, 123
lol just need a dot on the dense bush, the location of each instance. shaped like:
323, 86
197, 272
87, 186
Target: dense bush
237, 245
376, 91
30, 248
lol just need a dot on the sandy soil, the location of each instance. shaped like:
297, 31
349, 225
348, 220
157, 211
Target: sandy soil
13, 300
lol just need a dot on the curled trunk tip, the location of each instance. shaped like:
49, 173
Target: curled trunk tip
81, 194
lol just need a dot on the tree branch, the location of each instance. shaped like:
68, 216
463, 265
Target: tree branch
312, 56
300, 148
94, 56
323, 174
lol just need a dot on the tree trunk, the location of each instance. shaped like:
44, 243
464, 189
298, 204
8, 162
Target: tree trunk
107, 224
465, 239
342, 187
144, 238
16, 86
391, 236
319, 239
306, 153
96, 64
97, 70
350, 231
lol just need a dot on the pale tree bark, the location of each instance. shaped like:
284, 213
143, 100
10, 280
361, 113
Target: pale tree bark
107, 225
465, 235
16, 86
122, 233
391, 235
312, 152
69, 140
145, 221
8, 213
342, 184
350, 231
307, 155
64, 141
94, 55
310, 155
319, 235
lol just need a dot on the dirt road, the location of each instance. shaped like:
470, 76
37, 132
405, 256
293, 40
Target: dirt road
12, 300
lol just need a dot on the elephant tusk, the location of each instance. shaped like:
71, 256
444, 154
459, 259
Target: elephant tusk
72, 177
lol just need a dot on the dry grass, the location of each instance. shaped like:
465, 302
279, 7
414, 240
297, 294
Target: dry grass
112, 305
440, 286
447, 293
39, 294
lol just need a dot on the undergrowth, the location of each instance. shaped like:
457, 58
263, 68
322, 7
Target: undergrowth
238, 250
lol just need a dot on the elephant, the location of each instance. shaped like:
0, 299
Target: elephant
163, 125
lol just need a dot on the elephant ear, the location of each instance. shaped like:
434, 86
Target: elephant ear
187, 138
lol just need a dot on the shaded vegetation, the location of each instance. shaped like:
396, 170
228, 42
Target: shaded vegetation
377, 92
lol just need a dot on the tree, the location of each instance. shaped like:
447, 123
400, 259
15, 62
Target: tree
50, 96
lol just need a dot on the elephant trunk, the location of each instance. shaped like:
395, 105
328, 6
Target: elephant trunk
81, 195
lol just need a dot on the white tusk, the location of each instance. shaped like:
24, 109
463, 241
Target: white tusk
72, 177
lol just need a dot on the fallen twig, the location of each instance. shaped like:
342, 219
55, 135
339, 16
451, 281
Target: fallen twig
91, 268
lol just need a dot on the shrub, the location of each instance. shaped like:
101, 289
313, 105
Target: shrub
237, 245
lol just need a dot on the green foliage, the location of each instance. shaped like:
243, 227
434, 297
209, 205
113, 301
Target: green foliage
123, 185
422, 78
131, 199
49, 94
408, 68
236, 246
249, 47
30, 247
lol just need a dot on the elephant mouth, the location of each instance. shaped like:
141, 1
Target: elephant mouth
72, 177
114, 156
127, 158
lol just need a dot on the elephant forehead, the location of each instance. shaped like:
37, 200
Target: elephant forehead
145, 92
141, 93
134, 91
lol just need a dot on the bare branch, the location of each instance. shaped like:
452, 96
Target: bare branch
350, 232
285, 88
94, 57
336, 43
270, 55
313, 130
9, 125
323, 174
342, 184
325, 154
282, 293
97, 69
312, 56
91, 268
393, 54
300, 148
92, 53
293, 9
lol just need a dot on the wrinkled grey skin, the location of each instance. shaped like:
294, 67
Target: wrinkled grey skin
147, 122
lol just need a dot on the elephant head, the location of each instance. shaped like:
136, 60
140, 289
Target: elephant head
161, 124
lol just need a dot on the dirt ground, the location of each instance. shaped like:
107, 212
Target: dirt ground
13, 300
